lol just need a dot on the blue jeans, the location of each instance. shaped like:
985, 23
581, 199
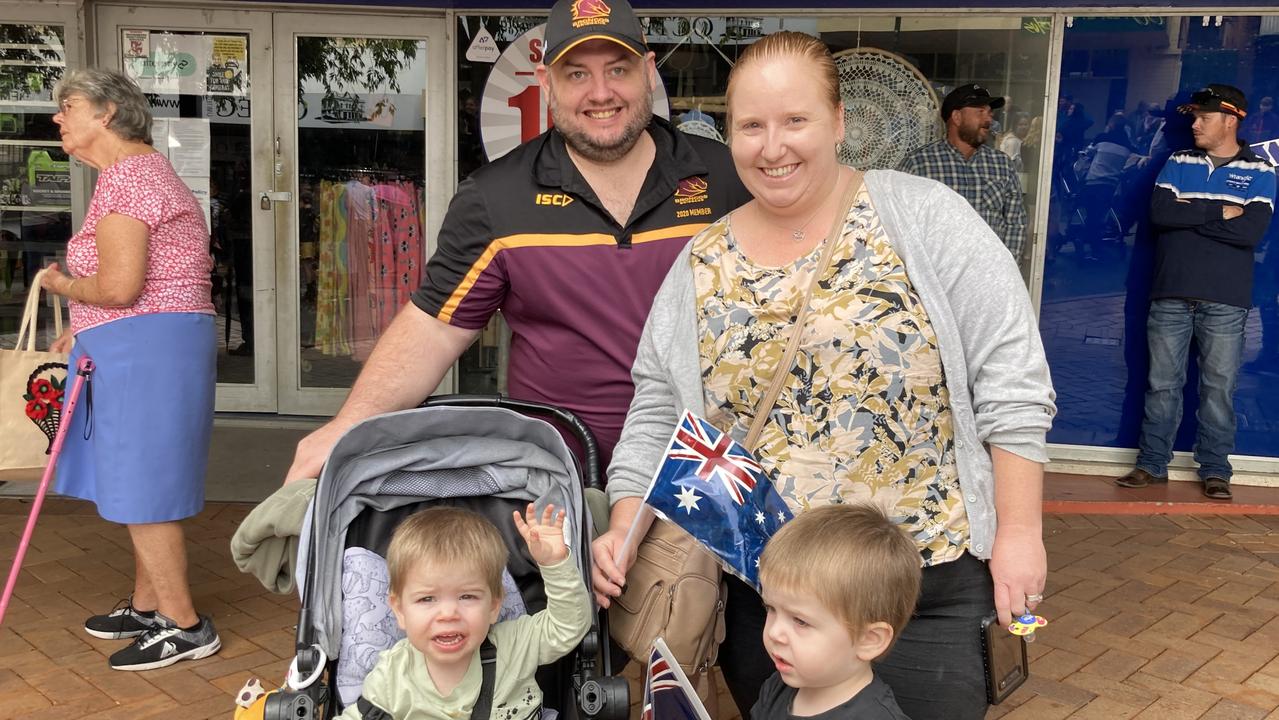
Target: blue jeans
1218, 330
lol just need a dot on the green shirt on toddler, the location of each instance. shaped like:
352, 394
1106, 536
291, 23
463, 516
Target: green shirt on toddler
400, 684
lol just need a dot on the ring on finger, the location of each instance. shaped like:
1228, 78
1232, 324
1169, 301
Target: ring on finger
1034, 598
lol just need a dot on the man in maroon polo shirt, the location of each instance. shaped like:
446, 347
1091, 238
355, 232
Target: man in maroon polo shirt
569, 235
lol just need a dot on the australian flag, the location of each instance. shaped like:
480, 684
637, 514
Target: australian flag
716, 490
668, 695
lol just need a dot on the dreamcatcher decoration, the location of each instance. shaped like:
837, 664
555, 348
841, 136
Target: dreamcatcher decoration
700, 128
889, 108
695, 121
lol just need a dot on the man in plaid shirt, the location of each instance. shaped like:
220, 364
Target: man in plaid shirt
979, 172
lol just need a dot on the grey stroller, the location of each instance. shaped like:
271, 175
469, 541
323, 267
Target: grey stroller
491, 455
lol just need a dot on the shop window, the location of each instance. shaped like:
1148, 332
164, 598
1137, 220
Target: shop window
35, 174
1115, 131
929, 54
197, 85
361, 196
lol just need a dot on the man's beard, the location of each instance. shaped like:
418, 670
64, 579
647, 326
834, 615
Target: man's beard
971, 135
586, 146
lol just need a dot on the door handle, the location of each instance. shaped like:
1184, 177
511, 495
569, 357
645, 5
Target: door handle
265, 200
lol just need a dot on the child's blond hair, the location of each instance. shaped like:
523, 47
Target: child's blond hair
853, 559
447, 536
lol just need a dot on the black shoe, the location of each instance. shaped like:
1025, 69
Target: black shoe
1217, 488
1138, 478
122, 622
166, 643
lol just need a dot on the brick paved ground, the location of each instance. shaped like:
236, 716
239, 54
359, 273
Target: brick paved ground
1164, 617
79, 565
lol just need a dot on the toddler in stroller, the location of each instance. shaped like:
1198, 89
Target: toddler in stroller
486, 455
446, 568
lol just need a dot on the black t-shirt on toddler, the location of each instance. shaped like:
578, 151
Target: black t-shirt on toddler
873, 702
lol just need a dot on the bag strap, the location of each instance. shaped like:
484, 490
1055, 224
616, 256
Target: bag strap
488, 667
369, 711
765, 406
30, 326
483, 703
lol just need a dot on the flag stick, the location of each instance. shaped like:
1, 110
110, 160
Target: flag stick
632, 531
630, 540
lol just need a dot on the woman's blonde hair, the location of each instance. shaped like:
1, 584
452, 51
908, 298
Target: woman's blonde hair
852, 559
446, 536
788, 43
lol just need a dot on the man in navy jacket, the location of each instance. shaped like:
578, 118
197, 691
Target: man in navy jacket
1210, 208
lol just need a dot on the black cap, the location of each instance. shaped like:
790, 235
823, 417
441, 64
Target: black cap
970, 95
573, 22
1217, 98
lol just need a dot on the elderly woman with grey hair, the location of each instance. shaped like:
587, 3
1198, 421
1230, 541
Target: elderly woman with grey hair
141, 307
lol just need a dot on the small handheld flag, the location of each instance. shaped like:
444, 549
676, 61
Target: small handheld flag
668, 695
716, 490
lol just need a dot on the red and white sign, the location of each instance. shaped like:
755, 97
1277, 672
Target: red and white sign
512, 109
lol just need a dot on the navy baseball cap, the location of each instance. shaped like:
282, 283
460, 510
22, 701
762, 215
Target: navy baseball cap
970, 95
1217, 98
574, 22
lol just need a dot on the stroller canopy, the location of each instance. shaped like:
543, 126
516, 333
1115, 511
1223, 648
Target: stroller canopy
422, 454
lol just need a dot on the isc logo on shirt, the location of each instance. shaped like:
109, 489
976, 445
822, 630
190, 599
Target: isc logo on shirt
556, 199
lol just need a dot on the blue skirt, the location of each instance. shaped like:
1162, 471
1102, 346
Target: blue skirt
138, 443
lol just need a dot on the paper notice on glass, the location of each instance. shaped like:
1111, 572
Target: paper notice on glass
135, 43
185, 142
189, 146
160, 135
200, 188
228, 59
174, 64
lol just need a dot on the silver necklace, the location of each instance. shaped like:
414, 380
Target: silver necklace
797, 234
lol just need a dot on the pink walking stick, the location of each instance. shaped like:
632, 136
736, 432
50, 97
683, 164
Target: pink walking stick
83, 369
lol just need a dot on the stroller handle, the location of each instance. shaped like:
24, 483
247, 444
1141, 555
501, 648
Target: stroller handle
590, 447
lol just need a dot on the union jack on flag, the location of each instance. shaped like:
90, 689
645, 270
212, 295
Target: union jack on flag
668, 695
719, 457
712, 487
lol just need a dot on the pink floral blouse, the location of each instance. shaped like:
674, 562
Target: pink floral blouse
146, 188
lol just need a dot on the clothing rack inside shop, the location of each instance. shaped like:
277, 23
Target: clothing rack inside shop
347, 173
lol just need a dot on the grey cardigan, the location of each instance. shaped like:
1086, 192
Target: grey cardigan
996, 372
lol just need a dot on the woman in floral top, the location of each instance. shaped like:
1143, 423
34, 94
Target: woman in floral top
920, 384
141, 308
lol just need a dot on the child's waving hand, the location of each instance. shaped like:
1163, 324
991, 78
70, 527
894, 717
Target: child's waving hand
545, 537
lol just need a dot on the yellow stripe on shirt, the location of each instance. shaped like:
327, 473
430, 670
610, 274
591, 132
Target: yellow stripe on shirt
524, 240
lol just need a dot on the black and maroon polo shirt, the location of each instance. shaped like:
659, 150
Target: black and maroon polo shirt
526, 235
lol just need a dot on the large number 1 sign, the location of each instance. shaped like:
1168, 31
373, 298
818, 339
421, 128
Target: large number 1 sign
512, 109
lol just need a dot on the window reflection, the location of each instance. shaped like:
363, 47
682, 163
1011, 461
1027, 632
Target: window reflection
35, 174
197, 83
1122, 79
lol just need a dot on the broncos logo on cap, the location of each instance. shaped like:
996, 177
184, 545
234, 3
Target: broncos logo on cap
590, 12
